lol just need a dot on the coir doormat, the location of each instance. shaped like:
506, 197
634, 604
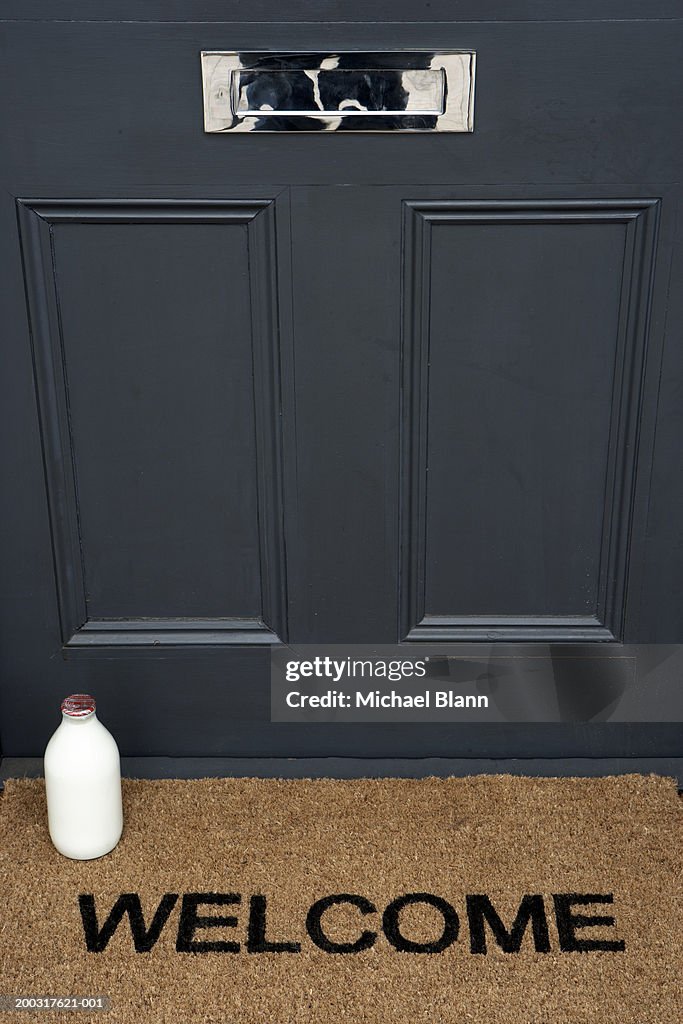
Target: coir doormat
489, 900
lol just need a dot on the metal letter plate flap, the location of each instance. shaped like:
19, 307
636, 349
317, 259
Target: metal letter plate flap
418, 91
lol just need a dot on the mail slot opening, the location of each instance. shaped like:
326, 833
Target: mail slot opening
344, 92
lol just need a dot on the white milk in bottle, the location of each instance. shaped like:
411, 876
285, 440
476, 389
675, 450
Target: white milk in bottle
83, 783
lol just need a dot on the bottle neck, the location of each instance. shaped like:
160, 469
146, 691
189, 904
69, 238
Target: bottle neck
79, 721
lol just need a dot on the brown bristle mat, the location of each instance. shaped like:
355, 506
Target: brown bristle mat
472, 857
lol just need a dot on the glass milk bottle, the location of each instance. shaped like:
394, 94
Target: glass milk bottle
83, 783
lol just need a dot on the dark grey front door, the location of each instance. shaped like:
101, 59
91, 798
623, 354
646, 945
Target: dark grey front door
333, 387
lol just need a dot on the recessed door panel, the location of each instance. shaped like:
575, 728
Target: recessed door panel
156, 348
525, 335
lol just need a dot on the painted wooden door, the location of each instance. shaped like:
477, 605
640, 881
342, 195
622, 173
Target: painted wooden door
333, 387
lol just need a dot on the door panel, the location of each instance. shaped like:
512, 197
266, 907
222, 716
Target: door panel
156, 347
526, 325
343, 388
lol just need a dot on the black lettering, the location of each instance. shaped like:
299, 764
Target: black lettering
256, 933
481, 910
317, 935
128, 903
567, 923
392, 931
190, 921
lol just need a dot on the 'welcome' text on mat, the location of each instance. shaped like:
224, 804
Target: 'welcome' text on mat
489, 900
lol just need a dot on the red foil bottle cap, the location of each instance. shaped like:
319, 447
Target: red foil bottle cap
78, 705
